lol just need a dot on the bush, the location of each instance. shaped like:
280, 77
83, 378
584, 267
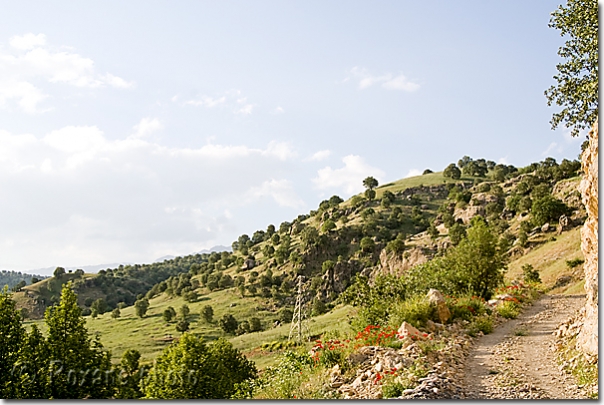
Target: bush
547, 209
229, 324
482, 324
508, 309
416, 311
207, 313
530, 275
574, 263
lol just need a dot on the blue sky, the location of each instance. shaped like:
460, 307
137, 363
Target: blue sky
133, 130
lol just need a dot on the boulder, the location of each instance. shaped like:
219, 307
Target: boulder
545, 227
408, 330
436, 299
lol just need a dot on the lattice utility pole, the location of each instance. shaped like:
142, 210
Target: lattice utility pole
299, 327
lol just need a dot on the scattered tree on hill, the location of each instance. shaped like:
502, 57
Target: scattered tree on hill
547, 209
168, 315
327, 226
59, 272
255, 324
370, 183
115, 313
577, 82
367, 244
100, 306
184, 311
141, 306
182, 325
370, 194
456, 233
228, 323
427, 171
452, 172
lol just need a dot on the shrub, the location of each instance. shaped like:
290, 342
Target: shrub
574, 263
229, 324
547, 209
482, 324
530, 275
115, 313
508, 309
416, 311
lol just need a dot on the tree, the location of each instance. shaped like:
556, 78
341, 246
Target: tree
367, 244
141, 306
184, 311
370, 183
168, 315
59, 272
130, 375
452, 172
255, 325
74, 353
190, 369
115, 313
228, 323
546, 209
33, 365
577, 79
100, 306
182, 326
370, 194
12, 337
328, 225
456, 233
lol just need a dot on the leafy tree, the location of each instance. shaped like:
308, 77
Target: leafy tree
184, 311
318, 307
168, 315
228, 323
370, 194
546, 209
335, 200
452, 172
255, 324
141, 306
328, 225
370, 183
286, 315
33, 365
367, 244
182, 326
115, 313
432, 231
130, 375
577, 79
397, 245
190, 296
456, 233
100, 306
59, 272
190, 369
427, 171
74, 353
12, 337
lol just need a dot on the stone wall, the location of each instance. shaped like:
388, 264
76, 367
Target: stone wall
587, 340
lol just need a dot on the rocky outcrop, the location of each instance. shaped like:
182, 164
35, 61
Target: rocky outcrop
587, 340
391, 263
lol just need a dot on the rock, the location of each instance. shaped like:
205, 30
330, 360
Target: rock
408, 330
357, 358
545, 227
437, 300
563, 223
248, 264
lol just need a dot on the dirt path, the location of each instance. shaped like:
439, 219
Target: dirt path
517, 360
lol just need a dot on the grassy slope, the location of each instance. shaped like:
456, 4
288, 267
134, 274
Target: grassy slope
550, 260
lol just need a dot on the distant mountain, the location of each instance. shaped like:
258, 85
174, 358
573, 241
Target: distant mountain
217, 248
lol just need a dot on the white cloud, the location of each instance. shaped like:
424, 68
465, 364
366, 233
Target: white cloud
245, 110
27, 41
503, 160
205, 101
388, 81
146, 126
278, 110
320, 155
553, 147
413, 173
348, 178
280, 190
77, 196
32, 61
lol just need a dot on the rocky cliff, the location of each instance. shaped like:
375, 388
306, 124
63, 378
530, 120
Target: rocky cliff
587, 340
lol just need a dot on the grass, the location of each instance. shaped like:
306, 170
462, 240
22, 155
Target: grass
550, 260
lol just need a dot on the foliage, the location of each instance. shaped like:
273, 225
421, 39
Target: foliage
508, 309
452, 172
207, 313
141, 306
12, 336
182, 325
415, 310
190, 369
529, 274
115, 313
482, 324
577, 79
228, 323
73, 352
456, 233
547, 209
574, 263
370, 183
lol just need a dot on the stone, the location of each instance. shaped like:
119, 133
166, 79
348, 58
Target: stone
408, 330
436, 299
545, 227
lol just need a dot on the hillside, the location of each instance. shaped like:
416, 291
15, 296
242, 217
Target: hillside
406, 223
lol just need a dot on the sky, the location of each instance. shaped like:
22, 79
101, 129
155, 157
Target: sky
133, 130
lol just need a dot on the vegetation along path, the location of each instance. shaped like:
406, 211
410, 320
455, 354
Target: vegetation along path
518, 359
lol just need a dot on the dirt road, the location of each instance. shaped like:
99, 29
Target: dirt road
517, 360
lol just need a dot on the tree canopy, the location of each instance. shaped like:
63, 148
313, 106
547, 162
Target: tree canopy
576, 88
